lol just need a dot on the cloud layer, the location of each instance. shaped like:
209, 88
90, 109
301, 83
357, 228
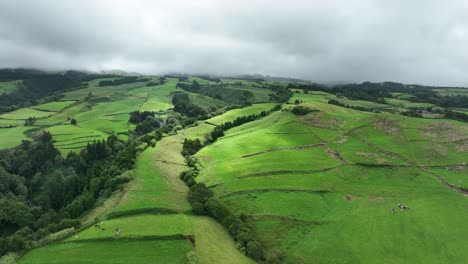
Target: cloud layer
350, 40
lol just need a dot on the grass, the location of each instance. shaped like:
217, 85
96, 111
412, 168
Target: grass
159, 98
150, 189
233, 114
25, 113
138, 226
336, 197
406, 104
73, 138
11, 137
152, 251
54, 106
213, 243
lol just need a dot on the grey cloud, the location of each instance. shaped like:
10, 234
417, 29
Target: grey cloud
352, 40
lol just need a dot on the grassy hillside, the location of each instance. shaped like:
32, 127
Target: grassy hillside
327, 181
323, 187
154, 217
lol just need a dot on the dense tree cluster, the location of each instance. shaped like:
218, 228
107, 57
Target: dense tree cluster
137, 117
301, 110
220, 92
183, 106
125, 80
148, 125
40, 190
190, 147
209, 78
281, 94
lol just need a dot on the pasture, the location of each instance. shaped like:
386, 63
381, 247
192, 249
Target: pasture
114, 251
327, 182
25, 113
54, 106
11, 137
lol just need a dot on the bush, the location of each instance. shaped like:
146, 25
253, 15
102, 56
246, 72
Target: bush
198, 208
199, 193
255, 250
301, 110
218, 211
192, 258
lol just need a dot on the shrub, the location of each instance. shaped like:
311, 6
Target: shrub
301, 110
198, 208
254, 250
199, 193
192, 257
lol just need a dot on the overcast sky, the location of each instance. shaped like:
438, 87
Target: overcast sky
411, 41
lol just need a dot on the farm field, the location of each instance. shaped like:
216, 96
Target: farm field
118, 251
25, 113
54, 106
327, 181
11, 137
159, 97
338, 197
152, 213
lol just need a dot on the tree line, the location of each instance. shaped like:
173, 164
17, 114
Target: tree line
125, 80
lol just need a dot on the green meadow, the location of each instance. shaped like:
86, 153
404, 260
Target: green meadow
327, 181
54, 106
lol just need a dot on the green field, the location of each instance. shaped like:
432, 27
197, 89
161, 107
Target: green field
327, 182
319, 188
116, 251
54, 106
233, 114
73, 138
159, 97
11, 137
25, 113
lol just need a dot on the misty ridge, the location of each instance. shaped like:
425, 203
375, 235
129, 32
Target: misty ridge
338, 41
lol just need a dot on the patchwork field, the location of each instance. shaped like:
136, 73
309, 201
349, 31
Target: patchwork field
326, 182
319, 188
152, 214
